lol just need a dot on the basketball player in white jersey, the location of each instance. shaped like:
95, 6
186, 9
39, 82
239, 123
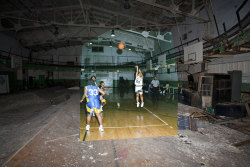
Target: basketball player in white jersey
138, 86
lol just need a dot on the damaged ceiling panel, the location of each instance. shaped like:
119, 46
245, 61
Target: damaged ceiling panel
53, 22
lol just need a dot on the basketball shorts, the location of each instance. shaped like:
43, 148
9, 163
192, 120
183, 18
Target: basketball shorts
102, 99
93, 106
138, 90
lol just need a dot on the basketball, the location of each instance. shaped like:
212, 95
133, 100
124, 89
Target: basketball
121, 46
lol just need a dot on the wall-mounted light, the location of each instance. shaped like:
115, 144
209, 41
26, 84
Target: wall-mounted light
112, 33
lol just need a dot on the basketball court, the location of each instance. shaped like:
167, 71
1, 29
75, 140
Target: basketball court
156, 118
113, 61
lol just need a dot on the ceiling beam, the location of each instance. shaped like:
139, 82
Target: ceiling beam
42, 24
125, 15
83, 11
173, 10
88, 6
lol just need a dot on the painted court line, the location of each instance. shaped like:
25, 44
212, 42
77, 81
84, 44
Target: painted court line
4, 164
110, 127
155, 116
42, 128
115, 154
60, 138
85, 135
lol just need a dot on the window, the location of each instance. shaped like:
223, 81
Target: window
97, 49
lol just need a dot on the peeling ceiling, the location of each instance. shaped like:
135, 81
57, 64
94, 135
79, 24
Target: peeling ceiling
51, 24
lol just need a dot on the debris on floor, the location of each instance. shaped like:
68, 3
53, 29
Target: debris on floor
58, 144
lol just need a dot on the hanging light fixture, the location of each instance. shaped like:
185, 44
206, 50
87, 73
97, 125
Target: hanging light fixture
112, 33
110, 44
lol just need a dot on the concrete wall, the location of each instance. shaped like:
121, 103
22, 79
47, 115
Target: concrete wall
109, 56
110, 78
238, 62
10, 44
223, 65
163, 75
59, 56
66, 54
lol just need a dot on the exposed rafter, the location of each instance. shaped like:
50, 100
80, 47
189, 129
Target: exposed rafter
34, 22
79, 7
173, 10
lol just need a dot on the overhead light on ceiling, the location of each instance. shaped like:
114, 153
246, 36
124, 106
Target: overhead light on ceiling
112, 33
126, 4
90, 43
129, 49
110, 44
145, 33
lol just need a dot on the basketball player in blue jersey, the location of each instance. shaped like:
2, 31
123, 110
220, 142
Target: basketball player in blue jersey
93, 78
91, 92
138, 86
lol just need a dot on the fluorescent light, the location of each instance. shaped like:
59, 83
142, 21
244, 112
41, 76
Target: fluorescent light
112, 33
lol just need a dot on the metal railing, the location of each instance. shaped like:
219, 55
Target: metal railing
4, 55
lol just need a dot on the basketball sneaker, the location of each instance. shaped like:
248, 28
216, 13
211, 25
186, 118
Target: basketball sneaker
142, 104
101, 128
138, 104
87, 127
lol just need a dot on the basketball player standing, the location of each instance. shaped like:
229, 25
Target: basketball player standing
91, 93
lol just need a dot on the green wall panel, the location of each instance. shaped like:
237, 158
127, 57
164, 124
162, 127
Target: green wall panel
245, 87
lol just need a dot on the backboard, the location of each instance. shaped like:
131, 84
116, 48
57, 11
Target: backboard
193, 53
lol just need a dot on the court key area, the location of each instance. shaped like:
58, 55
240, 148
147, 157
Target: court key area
123, 120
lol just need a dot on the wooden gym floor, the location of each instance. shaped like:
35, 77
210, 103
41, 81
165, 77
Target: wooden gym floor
156, 118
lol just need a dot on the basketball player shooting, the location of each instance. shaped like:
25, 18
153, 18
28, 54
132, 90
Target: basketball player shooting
138, 86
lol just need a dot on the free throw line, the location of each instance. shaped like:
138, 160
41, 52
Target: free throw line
114, 127
156, 116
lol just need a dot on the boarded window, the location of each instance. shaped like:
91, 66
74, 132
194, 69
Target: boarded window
97, 49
